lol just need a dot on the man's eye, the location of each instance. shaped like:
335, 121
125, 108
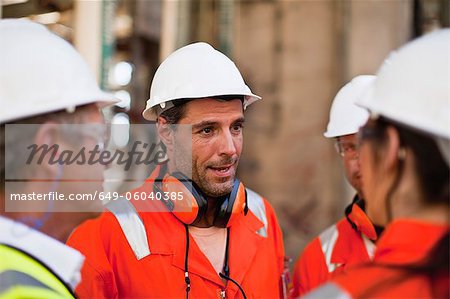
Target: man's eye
237, 128
349, 147
206, 130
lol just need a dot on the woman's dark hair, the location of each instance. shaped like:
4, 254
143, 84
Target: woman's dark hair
431, 168
433, 174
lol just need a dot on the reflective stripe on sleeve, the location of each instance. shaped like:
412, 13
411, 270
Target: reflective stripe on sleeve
256, 205
12, 278
328, 240
132, 226
329, 291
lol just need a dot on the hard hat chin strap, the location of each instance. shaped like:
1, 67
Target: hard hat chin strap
163, 107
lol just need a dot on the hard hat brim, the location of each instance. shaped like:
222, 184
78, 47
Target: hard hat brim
149, 114
102, 99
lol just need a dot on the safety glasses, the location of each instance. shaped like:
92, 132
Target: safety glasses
347, 149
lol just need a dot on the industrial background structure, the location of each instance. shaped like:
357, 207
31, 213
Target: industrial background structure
296, 54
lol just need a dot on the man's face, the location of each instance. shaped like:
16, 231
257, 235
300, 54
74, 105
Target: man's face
86, 178
216, 143
68, 179
349, 147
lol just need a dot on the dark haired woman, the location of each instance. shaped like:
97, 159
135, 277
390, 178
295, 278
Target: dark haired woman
405, 158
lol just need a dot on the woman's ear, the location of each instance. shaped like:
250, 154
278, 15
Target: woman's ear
165, 133
392, 149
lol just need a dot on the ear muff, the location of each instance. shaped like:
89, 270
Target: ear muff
234, 204
359, 220
192, 205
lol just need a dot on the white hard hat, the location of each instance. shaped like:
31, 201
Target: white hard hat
196, 71
413, 87
41, 73
345, 116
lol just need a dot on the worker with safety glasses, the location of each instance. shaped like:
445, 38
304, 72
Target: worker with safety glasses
47, 96
405, 158
228, 243
351, 240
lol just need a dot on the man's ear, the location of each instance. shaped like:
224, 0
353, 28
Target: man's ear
393, 147
165, 132
48, 134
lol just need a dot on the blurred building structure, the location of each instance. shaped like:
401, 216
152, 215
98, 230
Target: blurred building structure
296, 54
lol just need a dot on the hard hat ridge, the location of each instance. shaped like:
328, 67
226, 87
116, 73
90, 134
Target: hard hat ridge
345, 116
413, 88
196, 71
413, 85
40, 73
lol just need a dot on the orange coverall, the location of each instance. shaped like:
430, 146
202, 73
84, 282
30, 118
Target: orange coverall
331, 253
404, 245
112, 269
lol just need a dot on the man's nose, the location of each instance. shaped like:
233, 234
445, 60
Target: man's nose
227, 144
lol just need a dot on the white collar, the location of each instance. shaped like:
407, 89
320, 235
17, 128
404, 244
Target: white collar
65, 261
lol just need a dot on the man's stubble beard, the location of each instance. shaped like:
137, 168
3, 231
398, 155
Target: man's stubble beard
212, 189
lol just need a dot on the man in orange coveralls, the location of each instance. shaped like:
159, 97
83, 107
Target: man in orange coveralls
346, 242
229, 244
405, 154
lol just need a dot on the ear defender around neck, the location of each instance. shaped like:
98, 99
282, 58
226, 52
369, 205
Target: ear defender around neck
359, 220
189, 204
232, 205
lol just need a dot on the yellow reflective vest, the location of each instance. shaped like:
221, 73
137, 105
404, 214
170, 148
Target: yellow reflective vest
22, 276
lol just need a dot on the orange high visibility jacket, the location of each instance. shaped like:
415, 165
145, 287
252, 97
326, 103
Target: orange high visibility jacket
331, 253
404, 242
142, 255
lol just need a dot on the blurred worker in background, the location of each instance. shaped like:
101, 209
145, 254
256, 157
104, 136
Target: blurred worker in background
229, 243
349, 241
44, 83
405, 158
